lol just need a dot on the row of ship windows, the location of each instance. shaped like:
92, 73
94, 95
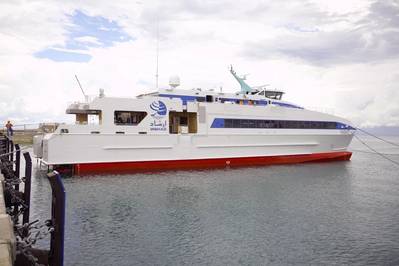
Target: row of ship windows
237, 101
252, 123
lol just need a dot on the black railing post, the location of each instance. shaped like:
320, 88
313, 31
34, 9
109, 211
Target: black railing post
3, 144
28, 178
16, 173
12, 153
3, 149
56, 255
7, 145
17, 163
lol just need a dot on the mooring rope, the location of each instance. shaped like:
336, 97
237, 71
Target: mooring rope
384, 140
375, 151
370, 152
15, 150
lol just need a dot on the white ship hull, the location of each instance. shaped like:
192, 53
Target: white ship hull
86, 148
183, 129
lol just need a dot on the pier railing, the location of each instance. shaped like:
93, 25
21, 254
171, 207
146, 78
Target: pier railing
17, 203
32, 127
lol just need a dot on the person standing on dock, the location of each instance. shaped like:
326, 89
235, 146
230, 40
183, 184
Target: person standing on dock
10, 131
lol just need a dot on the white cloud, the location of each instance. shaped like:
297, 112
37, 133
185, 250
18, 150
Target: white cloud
88, 39
198, 41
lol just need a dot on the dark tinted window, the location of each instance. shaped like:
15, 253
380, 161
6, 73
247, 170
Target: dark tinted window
253, 123
128, 118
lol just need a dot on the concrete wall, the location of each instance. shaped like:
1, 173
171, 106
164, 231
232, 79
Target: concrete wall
7, 239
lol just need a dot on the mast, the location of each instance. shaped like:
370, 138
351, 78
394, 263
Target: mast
156, 72
81, 88
245, 88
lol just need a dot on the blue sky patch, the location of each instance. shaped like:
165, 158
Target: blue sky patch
63, 56
85, 32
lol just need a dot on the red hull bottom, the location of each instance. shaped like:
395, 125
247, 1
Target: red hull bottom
124, 167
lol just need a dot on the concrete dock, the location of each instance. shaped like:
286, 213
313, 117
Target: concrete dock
7, 238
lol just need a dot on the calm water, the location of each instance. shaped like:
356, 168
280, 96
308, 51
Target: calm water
322, 214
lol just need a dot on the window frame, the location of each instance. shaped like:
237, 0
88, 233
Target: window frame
138, 121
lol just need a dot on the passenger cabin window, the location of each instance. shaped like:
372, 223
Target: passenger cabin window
209, 98
128, 118
255, 123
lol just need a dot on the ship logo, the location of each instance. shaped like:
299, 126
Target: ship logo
159, 108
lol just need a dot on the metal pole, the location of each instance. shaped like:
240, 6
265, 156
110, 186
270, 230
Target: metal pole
56, 254
156, 73
17, 161
28, 178
3, 144
16, 173
12, 153
7, 145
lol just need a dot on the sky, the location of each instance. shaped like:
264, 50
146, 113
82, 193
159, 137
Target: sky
340, 57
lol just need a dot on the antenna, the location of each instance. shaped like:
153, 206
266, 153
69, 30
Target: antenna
80, 86
156, 73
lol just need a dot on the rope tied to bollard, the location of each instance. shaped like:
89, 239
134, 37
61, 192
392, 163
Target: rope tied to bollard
28, 234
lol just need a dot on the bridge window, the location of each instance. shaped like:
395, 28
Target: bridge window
128, 118
274, 94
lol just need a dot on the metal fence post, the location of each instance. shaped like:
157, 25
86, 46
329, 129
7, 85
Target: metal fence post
16, 174
3, 144
17, 162
11, 153
7, 145
28, 178
56, 255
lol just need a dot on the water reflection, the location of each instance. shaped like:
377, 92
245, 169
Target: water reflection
184, 223
330, 213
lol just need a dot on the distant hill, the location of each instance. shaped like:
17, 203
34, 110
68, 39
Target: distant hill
383, 131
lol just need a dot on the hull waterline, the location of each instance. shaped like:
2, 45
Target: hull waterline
145, 166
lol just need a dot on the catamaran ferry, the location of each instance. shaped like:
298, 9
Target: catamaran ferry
175, 129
